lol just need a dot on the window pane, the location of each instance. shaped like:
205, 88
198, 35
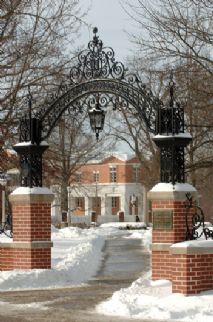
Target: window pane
78, 177
113, 174
114, 202
96, 176
136, 174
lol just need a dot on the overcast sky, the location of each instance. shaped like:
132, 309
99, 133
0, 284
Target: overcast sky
111, 21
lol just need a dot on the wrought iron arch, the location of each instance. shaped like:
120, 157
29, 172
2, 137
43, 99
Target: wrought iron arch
143, 101
97, 71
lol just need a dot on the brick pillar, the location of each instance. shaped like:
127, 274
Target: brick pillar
169, 225
192, 267
31, 246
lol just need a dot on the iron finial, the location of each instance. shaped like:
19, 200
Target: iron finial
95, 30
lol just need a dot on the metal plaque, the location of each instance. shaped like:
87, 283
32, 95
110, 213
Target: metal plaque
162, 219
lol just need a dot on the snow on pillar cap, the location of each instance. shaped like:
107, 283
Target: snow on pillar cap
169, 187
33, 191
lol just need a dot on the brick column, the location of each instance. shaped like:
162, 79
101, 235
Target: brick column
169, 225
31, 245
192, 267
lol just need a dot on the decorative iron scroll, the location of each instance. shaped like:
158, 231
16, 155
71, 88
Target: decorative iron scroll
171, 140
144, 103
196, 227
96, 62
97, 72
172, 164
6, 228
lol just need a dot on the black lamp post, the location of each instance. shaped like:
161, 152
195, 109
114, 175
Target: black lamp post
171, 140
96, 116
30, 149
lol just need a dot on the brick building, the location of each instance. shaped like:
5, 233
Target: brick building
107, 187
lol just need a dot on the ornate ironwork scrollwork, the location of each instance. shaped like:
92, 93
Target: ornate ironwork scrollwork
96, 62
171, 140
196, 227
172, 164
30, 149
144, 102
97, 71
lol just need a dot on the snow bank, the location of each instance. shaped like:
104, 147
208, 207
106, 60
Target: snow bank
76, 257
146, 299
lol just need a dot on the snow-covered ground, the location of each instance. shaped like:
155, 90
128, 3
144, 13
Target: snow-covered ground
76, 256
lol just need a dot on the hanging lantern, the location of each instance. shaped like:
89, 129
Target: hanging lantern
96, 116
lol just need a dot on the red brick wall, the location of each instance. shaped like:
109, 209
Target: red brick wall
31, 222
178, 233
124, 171
190, 270
31, 246
192, 274
161, 265
22, 258
162, 260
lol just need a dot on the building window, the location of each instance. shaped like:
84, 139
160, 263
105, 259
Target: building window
79, 202
113, 174
78, 177
96, 176
114, 202
136, 174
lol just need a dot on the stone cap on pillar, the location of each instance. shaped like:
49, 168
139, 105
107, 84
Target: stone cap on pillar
168, 191
191, 247
31, 195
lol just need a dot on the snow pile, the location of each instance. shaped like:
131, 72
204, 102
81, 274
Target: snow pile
146, 299
76, 257
122, 225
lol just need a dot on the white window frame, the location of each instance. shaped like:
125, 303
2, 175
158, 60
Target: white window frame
78, 177
96, 176
136, 173
113, 173
114, 202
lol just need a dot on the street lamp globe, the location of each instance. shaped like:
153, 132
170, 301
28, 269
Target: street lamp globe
96, 116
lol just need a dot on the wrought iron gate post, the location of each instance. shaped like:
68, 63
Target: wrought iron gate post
30, 151
171, 140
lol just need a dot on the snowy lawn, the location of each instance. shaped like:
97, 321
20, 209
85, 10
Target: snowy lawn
76, 257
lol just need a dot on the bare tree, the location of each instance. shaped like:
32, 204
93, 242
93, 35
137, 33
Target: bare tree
72, 144
178, 35
174, 30
36, 39
134, 133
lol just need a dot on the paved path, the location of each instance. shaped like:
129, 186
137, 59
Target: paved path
123, 263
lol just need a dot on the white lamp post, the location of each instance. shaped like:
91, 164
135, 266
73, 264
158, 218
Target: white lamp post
3, 182
69, 206
133, 202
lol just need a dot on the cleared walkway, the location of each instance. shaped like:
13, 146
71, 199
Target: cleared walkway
124, 261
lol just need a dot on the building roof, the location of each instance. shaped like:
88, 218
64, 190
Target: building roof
118, 155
